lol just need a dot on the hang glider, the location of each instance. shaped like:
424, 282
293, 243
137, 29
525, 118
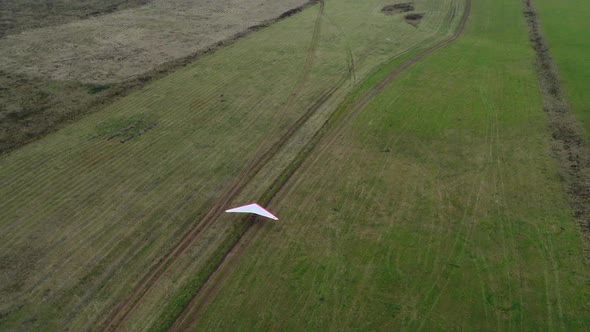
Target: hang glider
253, 208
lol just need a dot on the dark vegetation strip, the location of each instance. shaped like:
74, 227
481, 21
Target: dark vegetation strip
569, 146
273, 197
45, 115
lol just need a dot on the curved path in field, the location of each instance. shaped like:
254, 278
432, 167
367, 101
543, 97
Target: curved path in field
203, 297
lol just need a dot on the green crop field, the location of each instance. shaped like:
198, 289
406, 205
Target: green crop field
87, 212
565, 25
439, 207
409, 160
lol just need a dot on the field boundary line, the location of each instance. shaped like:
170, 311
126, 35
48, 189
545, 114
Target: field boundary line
568, 144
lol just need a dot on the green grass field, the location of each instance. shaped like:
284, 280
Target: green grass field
439, 207
83, 216
565, 25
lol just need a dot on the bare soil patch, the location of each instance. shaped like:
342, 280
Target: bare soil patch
414, 19
569, 146
398, 8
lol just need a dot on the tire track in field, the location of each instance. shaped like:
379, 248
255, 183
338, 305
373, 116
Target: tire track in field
261, 158
460, 240
346, 42
310, 59
204, 296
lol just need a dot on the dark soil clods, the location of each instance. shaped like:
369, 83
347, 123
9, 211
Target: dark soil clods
414, 19
398, 8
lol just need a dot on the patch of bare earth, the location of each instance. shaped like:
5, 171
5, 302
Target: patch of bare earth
126, 44
398, 8
569, 146
414, 19
52, 75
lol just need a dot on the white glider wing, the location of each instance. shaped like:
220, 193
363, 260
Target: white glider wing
253, 208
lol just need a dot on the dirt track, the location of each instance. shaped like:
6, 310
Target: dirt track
193, 311
260, 159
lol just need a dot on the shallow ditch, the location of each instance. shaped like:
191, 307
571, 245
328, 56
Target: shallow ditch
568, 144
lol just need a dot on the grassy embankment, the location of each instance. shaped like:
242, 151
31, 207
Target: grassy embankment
438, 207
82, 217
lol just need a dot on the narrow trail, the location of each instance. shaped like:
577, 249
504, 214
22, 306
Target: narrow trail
349, 55
204, 296
122, 313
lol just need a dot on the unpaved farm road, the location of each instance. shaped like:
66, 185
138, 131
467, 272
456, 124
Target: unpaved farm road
202, 298
261, 158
